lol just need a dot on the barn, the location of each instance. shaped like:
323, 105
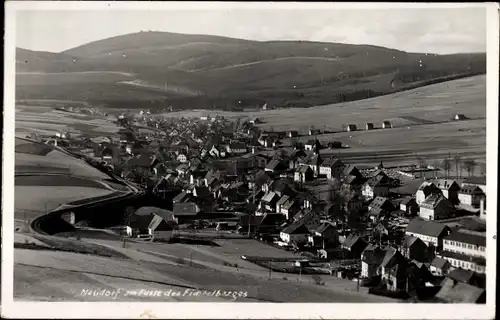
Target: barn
369, 126
352, 127
386, 124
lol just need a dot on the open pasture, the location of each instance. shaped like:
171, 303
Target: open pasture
47, 120
64, 78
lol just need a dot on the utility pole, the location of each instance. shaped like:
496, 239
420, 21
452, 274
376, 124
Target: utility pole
270, 268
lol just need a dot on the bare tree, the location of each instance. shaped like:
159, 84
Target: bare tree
446, 166
458, 168
470, 166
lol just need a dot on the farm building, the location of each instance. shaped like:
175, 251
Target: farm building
351, 127
369, 126
256, 121
313, 132
386, 124
292, 134
460, 116
334, 145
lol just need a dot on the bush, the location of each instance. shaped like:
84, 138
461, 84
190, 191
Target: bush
317, 280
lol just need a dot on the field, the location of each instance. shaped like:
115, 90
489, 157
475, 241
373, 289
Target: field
421, 120
46, 120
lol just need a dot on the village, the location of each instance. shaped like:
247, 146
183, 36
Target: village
398, 233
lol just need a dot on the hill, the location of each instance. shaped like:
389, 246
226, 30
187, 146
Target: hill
200, 70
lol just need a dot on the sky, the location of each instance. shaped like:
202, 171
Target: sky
441, 31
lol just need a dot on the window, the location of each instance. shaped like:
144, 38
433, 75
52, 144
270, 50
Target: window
470, 246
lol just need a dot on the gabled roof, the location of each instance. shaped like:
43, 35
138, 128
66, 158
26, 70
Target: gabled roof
351, 170
283, 200
324, 226
446, 184
159, 224
410, 240
376, 181
468, 236
237, 145
273, 164
296, 228
382, 203
460, 293
181, 197
373, 255
332, 162
471, 189
407, 200
269, 197
434, 200
351, 240
426, 228
439, 262
461, 275
187, 208
303, 169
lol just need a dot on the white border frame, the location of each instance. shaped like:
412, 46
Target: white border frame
240, 310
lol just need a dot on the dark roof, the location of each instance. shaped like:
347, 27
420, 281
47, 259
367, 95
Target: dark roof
186, 209
203, 192
471, 189
238, 145
303, 169
351, 240
468, 236
351, 170
382, 203
332, 162
296, 228
181, 197
439, 262
427, 228
461, 275
434, 200
373, 255
273, 164
272, 219
407, 200
377, 180
410, 240
262, 178
475, 180
324, 226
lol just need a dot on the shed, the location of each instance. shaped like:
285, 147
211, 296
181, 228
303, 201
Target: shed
460, 116
351, 127
369, 126
386, 124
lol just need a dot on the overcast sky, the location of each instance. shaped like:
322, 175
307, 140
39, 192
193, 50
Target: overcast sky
415, 30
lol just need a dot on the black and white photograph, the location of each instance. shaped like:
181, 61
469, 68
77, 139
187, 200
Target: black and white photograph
242, 153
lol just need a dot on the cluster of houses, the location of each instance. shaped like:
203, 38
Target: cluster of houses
211, 168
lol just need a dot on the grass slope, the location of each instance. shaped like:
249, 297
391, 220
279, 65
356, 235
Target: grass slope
165, 66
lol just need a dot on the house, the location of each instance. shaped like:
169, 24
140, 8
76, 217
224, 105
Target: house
386, 124
460, 116
354, 244
331, 167
292, 134
256, 121
477, 181
312, 145
311, 218
269, 201
295, 233
471, 195
414, 248
182, 158
237, 148
371, 259
431, 233
369, 126
439, 266
324, 236
303, 174
351, 127
160, 229
314, 161
182, 169
393, 270
377, 186
182, 197
409, 206
290, 208
436, 207
468, 242
314, 132
426, 189
334, 145
449, 188
380, 207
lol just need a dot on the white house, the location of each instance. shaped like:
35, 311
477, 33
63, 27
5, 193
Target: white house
470, 195
426, 189
331, 168
295, 233
449, 188
377, 186
160, 229
182, 158
468, 242
436, 207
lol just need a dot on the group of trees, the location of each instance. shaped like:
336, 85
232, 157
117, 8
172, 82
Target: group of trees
459, 164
